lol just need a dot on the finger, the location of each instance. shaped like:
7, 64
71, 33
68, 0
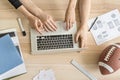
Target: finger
53, 23
40, 26
65, 19
49, 26
36, 26
70, 24
67, 25
40, 23
50, 19
41, 29
77, 37
46, 28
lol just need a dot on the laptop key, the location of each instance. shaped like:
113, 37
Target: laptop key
54, 42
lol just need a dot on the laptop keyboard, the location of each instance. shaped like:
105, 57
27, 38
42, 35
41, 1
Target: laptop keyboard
54, 42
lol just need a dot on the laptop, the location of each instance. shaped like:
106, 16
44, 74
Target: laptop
58, 41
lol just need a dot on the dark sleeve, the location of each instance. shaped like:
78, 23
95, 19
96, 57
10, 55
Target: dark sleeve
15, 3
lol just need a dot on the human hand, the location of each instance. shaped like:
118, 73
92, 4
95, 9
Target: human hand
48, 22
69, 18
36, 23
82, 36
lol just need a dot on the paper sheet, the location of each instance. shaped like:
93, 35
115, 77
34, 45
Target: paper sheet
45, 75
107, 27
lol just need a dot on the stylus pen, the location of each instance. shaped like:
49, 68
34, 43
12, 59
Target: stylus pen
93, 23
21, 26
81, 69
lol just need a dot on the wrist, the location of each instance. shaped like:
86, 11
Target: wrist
84, 26
71, 5
25, 12
84, 22
30, 16
70, 9
39, 13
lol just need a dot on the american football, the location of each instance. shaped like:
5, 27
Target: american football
109, 60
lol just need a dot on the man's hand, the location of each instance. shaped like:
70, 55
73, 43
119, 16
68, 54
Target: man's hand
82, 36
69, 18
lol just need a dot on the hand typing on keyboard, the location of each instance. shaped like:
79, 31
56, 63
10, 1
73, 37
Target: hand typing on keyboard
82, 36
84, 11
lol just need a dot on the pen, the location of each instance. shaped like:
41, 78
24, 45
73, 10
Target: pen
93, 23
21, 26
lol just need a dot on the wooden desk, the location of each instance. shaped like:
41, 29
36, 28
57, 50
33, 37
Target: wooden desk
60, 63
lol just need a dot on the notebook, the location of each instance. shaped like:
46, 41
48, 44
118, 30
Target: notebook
20, 69
9, 55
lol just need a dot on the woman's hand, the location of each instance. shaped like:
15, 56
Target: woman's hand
82, 36
69, 18
33, 20
36, 23
48, 22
